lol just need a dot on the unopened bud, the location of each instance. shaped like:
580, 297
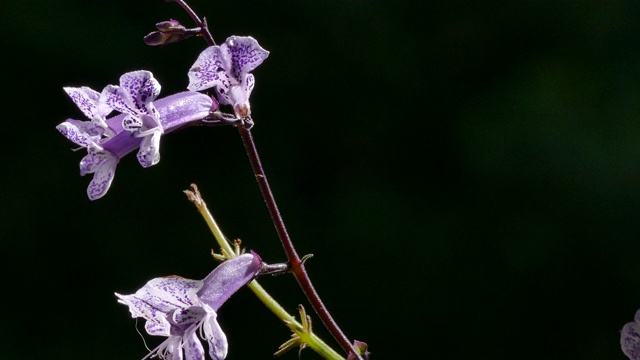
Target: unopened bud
169, 32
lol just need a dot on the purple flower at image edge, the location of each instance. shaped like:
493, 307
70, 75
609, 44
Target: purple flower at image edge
630, 338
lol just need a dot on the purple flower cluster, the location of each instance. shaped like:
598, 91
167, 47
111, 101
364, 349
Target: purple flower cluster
142, 119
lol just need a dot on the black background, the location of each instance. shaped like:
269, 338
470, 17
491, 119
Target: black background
466, 173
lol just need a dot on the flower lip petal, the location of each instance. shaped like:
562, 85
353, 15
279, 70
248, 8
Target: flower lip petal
102, 177
210, 70
83, 133
193, 349
149, 153
88, 101
141, 87
218, 345
246, 54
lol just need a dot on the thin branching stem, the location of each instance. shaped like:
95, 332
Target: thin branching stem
297, 265
202, 24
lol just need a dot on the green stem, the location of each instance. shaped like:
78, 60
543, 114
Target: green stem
310, 339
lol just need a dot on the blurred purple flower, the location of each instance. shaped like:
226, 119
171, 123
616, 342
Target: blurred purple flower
630, 338
227, 68
176, 307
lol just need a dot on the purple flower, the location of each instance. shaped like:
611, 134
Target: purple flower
177, 308
140, 125
227, 68
630, 338
88, 100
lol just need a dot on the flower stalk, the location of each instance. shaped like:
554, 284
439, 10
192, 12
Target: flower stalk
296, 264
309, 338
237, 95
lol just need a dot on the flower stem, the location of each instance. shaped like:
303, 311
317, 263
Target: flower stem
312, 340
297, 265
203, 25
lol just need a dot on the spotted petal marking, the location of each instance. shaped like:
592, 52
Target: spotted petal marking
83, 133
149, 153
119, 99
89, 102
193, 349
103, 166
246, 55
217, 339
165, 294
141, 87
209, 70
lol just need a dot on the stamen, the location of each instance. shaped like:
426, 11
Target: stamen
146, 132
141, 336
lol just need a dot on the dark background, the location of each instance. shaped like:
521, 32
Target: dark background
466, 173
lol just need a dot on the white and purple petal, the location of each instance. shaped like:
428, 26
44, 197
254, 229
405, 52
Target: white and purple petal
119, 99
103, 173
88, 101
246, 55
149, 153
190, 315
218, 345
141, 87
93, 161
83, 133
157, 323
169, 293
131, 123
210, 70
193, 349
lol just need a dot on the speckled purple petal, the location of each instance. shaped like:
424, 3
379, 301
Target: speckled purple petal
158, 327
248, 82
193, 349
119, 99
141, 87
93, 161
149, 153
209, 70
157, 323
246, 55
168, 293
227, 278
88, 100
103, 169
83, 133
218, 345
